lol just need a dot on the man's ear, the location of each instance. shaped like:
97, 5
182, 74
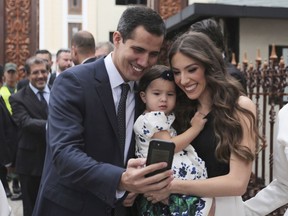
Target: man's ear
74, 50
117, 38
143, 96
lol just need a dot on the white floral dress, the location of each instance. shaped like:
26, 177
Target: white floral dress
186, 163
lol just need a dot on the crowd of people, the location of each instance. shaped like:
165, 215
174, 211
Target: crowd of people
77, 138
25, 93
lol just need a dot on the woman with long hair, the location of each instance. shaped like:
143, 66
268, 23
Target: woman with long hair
227, 142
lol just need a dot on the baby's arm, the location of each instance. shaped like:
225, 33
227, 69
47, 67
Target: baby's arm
183, 140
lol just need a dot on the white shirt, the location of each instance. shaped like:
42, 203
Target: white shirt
275, 194
5, 208
115, 81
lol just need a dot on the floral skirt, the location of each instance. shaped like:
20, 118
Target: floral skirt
179, 205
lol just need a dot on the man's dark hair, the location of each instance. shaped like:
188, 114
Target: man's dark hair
135, 16
35, 61
62, 50
213, 30
84, 41
44, 51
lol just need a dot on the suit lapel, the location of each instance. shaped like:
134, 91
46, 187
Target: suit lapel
34, 103
103, 89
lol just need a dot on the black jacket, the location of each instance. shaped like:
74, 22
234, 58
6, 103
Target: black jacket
8, 136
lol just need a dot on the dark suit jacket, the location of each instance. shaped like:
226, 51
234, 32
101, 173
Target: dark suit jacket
8, 136
31, 118
237, 74
22, 83
52, 79
84, 163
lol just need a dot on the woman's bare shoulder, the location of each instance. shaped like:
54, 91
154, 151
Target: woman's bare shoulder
247, 103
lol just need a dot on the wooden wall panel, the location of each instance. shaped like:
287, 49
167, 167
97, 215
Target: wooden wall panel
167, 8
2, 28
20, 30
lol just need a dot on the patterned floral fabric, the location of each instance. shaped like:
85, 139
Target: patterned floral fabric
186, 165
178, 205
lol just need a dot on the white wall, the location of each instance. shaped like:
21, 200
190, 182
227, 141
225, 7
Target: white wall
259, 34
50, 25
107, 17
99, 17
262, 3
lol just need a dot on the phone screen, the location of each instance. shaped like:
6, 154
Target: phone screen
159, 155
160, 151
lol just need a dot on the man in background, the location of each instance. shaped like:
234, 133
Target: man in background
83, 48
47, 56
9, 88
8, 143
63, 60
103, 49
30, 111
10, 83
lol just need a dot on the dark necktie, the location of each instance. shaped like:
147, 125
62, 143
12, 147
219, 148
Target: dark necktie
121, 115
43, 101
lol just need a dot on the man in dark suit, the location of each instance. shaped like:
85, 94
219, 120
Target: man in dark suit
5, 134
83, 47
84, 172
8, 135
29, 111
47, 56
8, 89
8, 144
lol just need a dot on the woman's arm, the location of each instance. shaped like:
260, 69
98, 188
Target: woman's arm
183, 140
233, 184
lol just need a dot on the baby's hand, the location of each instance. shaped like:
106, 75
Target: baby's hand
198, 121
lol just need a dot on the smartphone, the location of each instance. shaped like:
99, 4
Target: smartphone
160, 151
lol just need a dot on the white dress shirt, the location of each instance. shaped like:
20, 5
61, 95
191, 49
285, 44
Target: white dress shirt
275, 194
115, 81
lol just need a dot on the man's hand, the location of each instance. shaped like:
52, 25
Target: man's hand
134, 180
129, 200
157, 196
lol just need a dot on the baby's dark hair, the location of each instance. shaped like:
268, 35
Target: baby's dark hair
153, 73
